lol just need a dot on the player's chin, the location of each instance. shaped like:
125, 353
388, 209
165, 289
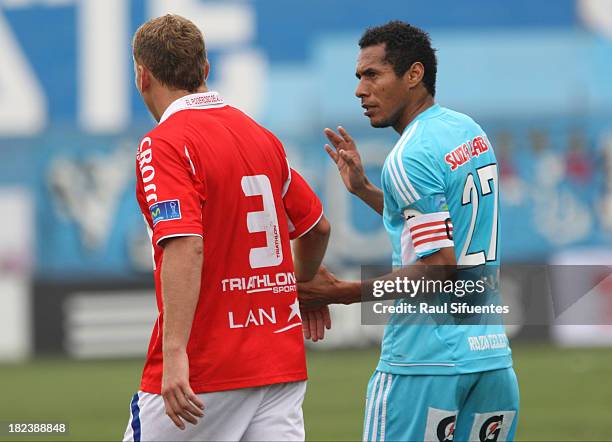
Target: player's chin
379, 122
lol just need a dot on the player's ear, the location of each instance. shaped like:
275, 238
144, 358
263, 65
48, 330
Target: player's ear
206, 70
414, 75
143, 78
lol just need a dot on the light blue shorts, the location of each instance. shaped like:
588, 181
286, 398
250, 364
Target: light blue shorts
466, 407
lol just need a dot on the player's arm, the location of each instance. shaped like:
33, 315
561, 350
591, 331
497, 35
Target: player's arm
175, 214
346, 156
181, 274
428, 224
308, 253
326, 289
309, 230
309, 250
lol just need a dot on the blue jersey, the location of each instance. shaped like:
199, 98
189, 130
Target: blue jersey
441, 190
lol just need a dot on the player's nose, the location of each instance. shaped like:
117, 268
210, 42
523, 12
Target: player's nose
361, 90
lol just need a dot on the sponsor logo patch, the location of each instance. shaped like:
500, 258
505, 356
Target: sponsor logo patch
440, 425
462, 154
492, 427
165, 211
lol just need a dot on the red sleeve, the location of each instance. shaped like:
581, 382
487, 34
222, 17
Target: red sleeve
168, 179
302, 205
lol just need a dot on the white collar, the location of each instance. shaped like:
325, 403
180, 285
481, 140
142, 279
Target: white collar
205, 100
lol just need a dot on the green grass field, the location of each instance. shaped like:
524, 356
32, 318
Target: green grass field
565, 394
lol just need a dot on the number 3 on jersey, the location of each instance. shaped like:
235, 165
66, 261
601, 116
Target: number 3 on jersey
487, 176
263, 221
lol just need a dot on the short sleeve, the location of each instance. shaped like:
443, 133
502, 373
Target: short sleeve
419, 190
167, 177
414, 173
303, 207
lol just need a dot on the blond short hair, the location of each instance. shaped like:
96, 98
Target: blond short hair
173, 49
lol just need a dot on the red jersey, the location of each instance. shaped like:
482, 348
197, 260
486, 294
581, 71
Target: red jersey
209, 170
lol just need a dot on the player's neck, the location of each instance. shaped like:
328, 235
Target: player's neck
166, 97
422, 104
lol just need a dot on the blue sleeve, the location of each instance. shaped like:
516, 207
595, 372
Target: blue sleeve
420, 186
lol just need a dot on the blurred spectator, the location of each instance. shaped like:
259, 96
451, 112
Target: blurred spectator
579, 166
512, 186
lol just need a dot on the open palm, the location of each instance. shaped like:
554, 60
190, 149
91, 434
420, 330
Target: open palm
346, 156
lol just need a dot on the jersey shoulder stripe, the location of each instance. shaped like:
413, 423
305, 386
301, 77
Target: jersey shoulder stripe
396, 170
398, 157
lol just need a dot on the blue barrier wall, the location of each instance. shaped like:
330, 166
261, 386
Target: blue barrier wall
535, 76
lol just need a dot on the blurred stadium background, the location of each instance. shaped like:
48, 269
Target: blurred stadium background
76, 300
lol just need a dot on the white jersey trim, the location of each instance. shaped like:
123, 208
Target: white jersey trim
150, 233
308, 229
398, 364
290, 224
190, 162
383, 416
369, 405
205, 100
177, 235
407, 199
378, 397
403, 186
400, 152
288, 182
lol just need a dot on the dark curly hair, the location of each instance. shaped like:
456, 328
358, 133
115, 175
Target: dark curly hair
404, 45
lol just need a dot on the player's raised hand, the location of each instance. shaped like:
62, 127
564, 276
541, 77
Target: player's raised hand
180, 401
346, 156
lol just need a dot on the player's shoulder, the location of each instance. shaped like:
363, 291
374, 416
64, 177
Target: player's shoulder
448, 114
167, 138
176, 128
416, 142
437, 130
227, 119
443, 122
259, 131
170, 130
255, 125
